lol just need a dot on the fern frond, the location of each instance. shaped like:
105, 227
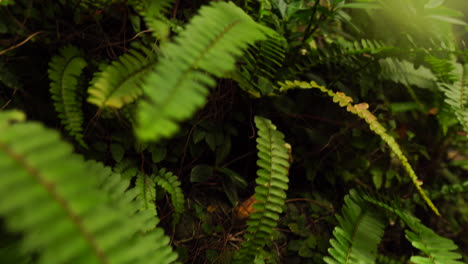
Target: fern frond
262, 62
361, 110
344, 51
358, 234
457, 94
171, 184
147, 190
85, 215
178, 88
153, 13
272, 183
436, 248
402, 71
64, 71
121, 82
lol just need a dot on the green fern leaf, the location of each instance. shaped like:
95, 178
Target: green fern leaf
262, 63
401, 71
171, 184
147, 189
121, 82
153, 14
178, 88
358, 234
456, 94
86, 215
360, 110
438, 249
64, 70
270, 193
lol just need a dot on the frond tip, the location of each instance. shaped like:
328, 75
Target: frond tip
206, 48
274, 156
358, 234
64, 71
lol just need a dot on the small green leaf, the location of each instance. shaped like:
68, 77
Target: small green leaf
377, 178
158, 153
117, 152
201, 173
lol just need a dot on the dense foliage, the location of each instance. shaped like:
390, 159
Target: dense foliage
269, 131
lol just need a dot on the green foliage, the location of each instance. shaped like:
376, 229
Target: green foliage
195, 77
121, 82
169, 182
40, 171
361, 110
64, 71
358, 234
401, 71
208, 44
437, 249
272, 183
456, 94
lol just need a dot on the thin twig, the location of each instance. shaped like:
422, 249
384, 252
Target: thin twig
20, 44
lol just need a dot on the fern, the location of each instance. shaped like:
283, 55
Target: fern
272, 183
361, 110
262, 63
344, 51
456, 94
436, 248
402, 71
64, 70
147, 190
152, 12
179, 86
102, 226
171, 185
121, 82
359, 233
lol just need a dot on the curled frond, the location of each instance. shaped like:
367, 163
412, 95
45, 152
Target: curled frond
270, 193
64, 71
208, 46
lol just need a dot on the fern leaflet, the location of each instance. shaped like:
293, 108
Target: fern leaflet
402, 71
361, 110
169, 182
104, 226
358, 234
64, 70
121, 82
272, 183
456, 94
178, 87
436, 248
